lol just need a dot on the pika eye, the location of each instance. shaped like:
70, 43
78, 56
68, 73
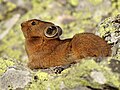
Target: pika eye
33, 23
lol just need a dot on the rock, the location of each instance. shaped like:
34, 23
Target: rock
115, 65
66, 19
109, 29
81, 88
98, 77
9, 24
14, 79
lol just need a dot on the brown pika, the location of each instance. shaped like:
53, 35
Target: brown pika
45, 48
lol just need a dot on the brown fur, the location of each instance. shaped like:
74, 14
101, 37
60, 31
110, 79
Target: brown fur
44, 52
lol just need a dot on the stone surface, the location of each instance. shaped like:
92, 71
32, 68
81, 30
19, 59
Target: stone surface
98, 77
14, 79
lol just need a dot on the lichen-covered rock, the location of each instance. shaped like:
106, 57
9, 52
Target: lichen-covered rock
109, 29
14, 79
4, 64
98, 77
87, 75
115, 65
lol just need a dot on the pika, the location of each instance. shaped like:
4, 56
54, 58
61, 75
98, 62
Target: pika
45, 48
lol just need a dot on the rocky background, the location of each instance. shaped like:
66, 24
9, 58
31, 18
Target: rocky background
101, 17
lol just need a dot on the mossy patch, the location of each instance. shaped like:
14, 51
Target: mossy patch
4, 64
95, 2
77, 75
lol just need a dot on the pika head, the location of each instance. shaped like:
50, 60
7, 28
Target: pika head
40, 29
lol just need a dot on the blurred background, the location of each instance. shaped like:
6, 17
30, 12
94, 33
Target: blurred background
73, 16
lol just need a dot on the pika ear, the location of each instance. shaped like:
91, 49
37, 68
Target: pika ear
53, 32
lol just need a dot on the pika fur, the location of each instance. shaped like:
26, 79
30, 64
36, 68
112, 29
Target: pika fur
45, 48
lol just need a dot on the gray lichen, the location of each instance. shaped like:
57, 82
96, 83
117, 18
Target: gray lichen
14, 79
109, 29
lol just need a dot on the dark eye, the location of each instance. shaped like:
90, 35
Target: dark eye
53, 27
33, 23
51, 30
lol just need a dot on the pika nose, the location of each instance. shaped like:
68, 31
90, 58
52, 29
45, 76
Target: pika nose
23, 24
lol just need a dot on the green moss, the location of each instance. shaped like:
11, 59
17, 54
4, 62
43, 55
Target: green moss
1, 17
77, 75
95, 2
1, 1
86, 15
36, 85
113, 79
115, 12
78, 14
106, 26
55, 84
4, 64
42, 75
10, 6
74, 2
